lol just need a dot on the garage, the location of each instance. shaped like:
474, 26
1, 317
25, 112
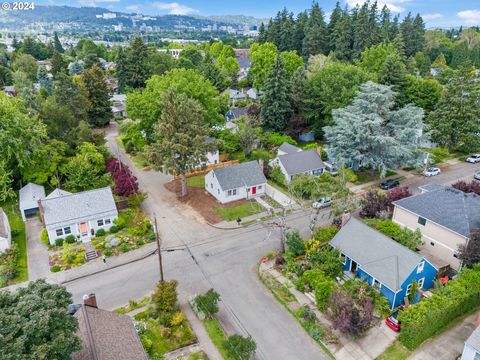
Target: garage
29, 195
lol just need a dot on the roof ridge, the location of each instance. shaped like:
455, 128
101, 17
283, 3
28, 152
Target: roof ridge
91, 338
76, 193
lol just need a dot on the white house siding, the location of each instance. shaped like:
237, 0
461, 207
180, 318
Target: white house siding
75, 227
469, 353
213, 158
5, 242
213, 187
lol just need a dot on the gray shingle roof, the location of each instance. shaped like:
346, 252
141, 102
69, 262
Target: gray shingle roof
474, 339
78, 206
448, 207
430, 187
30, 194
302, 161
380, 256
57, 193
288, 148
236, 176
106, 335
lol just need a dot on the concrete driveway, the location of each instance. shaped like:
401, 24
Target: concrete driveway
449, 345
37, 252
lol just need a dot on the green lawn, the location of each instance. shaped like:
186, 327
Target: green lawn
277, 186
16, 223
133, 305
196, 181
240, 211
364, 176
217, 335
396, 351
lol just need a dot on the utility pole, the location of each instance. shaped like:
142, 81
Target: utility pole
283, 229
157, 238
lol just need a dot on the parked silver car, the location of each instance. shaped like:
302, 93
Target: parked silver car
473, 158
431, 171
322, 203
476, 176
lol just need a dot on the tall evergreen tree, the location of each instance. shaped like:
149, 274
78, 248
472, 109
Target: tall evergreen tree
99, 113
299, 33
385, 25
316, 35
43, 79
136, 59
121, 69
58, 64
361, 29
341, 38
393, 73
211, 72
334, 19
374, 34
262, 34
276, 109
57, 44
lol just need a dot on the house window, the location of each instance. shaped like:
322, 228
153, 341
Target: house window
234, 191
455, 255
422, 221
67, 230
211, 185
376, 283
218, 191
409, 289
432, 243
107, 221
420, 267
229, 193
259, 187
100, 222
420, 283
59, 232
343, 259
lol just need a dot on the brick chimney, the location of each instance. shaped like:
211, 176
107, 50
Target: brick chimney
90, 300
345, 217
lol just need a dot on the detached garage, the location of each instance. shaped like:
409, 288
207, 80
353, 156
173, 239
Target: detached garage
30, 194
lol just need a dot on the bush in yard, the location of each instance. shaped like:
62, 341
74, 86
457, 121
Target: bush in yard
164, 297
178, 318
326, 260
100, 232
207, 304
239, 347
70, 239
44, 237
277, 175
321, 285
146, 342
470, 253
55, 268
125, 183
276, 139
113, 229
397, 193
374, 202
431, 315
471, 187
59, 242
295, 243
321, 236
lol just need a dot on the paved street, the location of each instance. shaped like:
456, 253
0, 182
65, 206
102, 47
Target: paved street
449, 175
37, 252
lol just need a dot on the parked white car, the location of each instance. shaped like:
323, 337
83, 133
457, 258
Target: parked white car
476, 176
432, 171
473, 158
322, 203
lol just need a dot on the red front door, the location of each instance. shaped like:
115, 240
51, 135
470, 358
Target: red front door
254, 190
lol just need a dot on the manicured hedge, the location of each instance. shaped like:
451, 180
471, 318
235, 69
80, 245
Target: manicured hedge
431, 315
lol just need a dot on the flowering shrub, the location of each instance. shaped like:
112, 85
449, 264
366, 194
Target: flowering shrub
125, 183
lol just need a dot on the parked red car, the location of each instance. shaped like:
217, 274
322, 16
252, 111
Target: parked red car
392, 322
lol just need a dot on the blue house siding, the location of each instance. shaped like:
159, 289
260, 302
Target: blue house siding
396, 299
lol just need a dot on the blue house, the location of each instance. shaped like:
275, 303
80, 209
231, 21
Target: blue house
382, 262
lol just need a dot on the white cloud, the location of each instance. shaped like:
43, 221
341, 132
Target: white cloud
174, 8
470, 16
95, 2
433, 16
393, 5
133, 8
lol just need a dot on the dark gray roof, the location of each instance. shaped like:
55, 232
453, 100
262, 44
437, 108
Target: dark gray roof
288, 148
380, 256
302, 161
244, 174
448, 207
237, 112
78, 206
430, 187
106, 335
474, 339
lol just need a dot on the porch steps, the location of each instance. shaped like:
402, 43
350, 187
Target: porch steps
90, 252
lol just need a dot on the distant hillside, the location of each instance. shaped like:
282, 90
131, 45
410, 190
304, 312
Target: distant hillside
85, 18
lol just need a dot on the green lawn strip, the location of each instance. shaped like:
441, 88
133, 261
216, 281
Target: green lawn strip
133, 305
272, 202
364, 176
281, 298
396, 351
217, 335
16, 223
196, 181
279, 187
240, 211
138, 159
197, 356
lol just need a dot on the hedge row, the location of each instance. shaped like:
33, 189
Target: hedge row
431, 315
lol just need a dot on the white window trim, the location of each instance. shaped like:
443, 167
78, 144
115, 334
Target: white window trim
421, 282
98, 222
421, 266
409, 289
344, 258
59, 230
65, 230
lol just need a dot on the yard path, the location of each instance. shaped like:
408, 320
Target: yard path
37, 253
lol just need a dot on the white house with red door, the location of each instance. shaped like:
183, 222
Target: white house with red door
79, 214
236, 182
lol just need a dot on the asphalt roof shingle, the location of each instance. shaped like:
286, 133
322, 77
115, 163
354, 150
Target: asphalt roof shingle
78, 206
474, 339
302, 161
448, 207
288, 148
380, 256
236, 176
